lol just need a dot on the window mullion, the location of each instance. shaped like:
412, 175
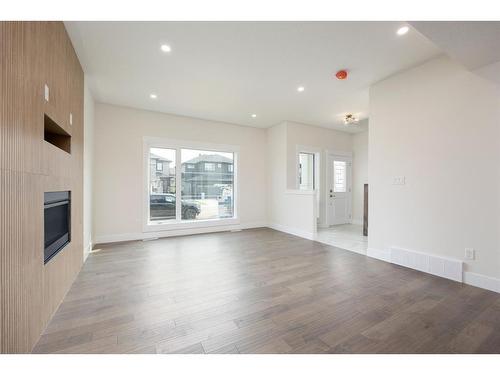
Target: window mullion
178, 184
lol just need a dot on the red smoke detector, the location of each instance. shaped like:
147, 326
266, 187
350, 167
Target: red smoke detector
341, 74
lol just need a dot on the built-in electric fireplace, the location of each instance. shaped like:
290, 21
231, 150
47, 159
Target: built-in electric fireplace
57, 216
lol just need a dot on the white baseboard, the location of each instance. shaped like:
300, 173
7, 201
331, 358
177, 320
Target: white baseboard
296, 232
439, 266
86, 251
180, 232
357, 222
384, 255
482, 281
448, 268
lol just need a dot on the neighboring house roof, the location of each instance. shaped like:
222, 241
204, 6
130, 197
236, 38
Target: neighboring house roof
154, 156
213, 158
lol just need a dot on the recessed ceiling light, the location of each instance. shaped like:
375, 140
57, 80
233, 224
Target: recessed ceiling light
153, 96
165, 48
254, 115
300, 88
403, 30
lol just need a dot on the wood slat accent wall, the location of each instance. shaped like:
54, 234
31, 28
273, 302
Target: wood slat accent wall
33, 54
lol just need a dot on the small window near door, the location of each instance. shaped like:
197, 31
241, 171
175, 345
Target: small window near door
306, 171
339, 176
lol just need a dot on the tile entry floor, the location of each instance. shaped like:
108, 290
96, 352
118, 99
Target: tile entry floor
345, 236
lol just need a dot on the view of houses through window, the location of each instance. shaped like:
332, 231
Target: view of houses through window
162, 184
205, 188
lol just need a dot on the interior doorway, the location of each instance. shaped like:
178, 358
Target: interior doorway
339, 190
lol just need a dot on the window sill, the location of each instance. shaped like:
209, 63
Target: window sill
300, 192
189, 224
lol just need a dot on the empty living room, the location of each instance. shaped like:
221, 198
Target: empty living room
192, 186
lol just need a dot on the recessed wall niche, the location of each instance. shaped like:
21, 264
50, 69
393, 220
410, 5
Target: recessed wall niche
56, 135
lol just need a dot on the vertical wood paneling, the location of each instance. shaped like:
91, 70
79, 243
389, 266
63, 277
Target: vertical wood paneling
3, 240
34, 54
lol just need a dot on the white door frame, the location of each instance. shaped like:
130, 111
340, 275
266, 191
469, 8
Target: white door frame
345, 155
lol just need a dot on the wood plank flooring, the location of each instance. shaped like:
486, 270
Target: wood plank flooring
264, 291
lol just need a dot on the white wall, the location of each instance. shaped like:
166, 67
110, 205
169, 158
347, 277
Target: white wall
289, 210
437, 125
88, 159
276, 178
313, 138
118, 172
359, 174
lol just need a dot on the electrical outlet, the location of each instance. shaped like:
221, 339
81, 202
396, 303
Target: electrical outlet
470, 253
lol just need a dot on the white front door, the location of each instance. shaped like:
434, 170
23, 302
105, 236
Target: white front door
339, 190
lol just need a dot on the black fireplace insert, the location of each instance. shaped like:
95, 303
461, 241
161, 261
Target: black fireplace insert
57, 222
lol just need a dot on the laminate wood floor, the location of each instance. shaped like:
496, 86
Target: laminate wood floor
264, 291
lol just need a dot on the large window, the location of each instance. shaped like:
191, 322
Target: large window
209, 188
189, 185
162, 186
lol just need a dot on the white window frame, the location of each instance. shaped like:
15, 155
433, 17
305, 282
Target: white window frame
317, 152
314, 174
178, 223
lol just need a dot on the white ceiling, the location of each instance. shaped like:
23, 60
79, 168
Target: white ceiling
475, 44
225, 71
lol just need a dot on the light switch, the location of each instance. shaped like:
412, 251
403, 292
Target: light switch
71, 118
470, 253
46, 93
399, 180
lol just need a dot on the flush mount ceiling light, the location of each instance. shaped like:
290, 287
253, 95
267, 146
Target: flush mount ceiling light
350, 119
403, 30
153, 96
254, 115
166, 48
301, 88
